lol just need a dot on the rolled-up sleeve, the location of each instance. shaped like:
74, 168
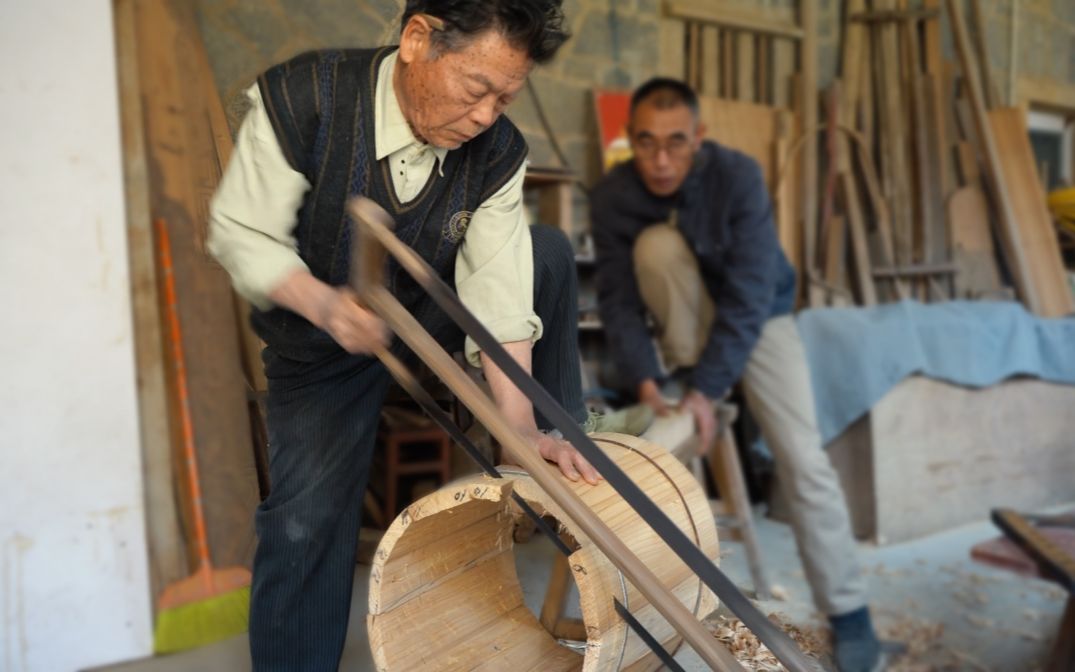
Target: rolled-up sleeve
252, 216
494, 270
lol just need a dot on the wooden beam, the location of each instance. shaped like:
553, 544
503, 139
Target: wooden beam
672, 57
972, 250
732, 18
989, 87
167, 562
745, 67
938, 243
891, 126
710, 61
1011, 242
783, 66
727, 64
881, 212
694, 55
763, 50
915, 270
808, 104
835, 266
184, 169
786, 195
860, 252
924, 169
969, 173
940, 98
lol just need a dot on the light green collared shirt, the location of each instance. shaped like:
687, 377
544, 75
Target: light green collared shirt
254, 212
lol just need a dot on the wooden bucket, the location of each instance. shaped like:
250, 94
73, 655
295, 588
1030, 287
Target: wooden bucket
444, 594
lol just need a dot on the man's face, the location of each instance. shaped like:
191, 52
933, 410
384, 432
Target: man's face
664, 142
452, 96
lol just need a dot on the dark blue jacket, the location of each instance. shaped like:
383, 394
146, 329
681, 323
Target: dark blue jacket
725, 214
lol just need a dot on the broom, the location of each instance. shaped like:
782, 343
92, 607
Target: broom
211, 604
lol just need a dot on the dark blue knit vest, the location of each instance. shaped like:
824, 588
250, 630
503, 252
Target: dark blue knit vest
321, 108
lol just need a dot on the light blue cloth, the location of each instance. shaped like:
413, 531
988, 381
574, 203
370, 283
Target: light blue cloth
856, 355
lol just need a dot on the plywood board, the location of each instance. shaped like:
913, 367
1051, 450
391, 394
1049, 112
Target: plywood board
167, 561
749, 127
184, 170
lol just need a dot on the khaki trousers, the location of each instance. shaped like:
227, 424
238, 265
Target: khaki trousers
776, 383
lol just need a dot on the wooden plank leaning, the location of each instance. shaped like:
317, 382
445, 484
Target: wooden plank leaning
373, 240
1008, 230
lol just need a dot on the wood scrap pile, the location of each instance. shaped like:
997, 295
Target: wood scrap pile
930, 187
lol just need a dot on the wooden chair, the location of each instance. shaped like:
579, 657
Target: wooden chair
411, 450
733, 510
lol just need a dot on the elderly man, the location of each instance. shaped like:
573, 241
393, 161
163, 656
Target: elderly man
685, 232
419, 130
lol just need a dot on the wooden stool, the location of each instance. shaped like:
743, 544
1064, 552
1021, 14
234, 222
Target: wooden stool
396, 463
734, 516
733, 510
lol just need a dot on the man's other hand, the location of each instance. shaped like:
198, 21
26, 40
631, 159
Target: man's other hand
705, 418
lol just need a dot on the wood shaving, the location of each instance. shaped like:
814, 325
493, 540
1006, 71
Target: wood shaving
754, 655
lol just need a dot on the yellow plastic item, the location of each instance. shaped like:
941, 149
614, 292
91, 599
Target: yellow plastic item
1062, 204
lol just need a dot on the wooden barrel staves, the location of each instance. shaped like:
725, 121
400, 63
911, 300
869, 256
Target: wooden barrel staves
444, 594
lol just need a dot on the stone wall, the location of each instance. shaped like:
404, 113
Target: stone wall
615, 44
1045, 40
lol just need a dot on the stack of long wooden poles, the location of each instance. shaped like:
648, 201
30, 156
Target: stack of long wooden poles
755, 70
916, 201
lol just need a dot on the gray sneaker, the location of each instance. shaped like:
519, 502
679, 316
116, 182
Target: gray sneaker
633, 420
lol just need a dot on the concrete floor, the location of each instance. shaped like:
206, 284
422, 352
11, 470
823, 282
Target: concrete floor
954, 614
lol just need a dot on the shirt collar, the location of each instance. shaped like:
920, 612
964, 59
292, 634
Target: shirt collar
390, 130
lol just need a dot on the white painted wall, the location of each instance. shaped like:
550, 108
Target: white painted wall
73, 568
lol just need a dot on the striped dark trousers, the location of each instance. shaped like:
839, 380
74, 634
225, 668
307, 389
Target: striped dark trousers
322, 422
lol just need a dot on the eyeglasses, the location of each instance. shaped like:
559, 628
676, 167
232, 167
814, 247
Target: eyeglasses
675, 148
